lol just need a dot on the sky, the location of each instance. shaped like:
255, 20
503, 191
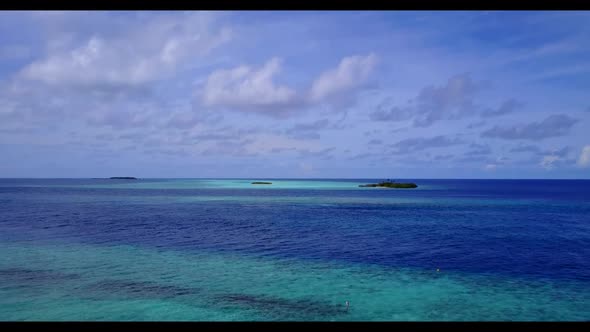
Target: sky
295, 94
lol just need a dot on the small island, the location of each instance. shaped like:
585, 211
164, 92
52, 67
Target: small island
390, 184
260, 182
123, 178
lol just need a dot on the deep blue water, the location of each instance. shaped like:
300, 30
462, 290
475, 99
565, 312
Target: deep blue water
527, 229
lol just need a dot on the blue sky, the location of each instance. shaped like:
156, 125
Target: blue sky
295, 94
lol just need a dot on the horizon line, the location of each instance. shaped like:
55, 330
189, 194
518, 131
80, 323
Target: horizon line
279, 178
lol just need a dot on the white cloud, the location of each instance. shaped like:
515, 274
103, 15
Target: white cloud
548, 162
352, 72
139, 54
254, 89
584, 160
246, 87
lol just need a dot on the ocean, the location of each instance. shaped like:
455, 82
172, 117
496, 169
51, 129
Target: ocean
296, 250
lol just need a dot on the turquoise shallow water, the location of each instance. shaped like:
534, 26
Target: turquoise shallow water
220, 250
75, 282
213, 184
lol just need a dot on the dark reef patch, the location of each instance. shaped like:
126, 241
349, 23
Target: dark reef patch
282, 307
139, 289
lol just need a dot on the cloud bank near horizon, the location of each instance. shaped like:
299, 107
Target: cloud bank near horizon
308, 94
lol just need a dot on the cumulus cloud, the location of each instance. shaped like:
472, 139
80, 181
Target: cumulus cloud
584, 159
453, 100
552, 126
158, 46
102, 69
548, 162
249, 89
352, 72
